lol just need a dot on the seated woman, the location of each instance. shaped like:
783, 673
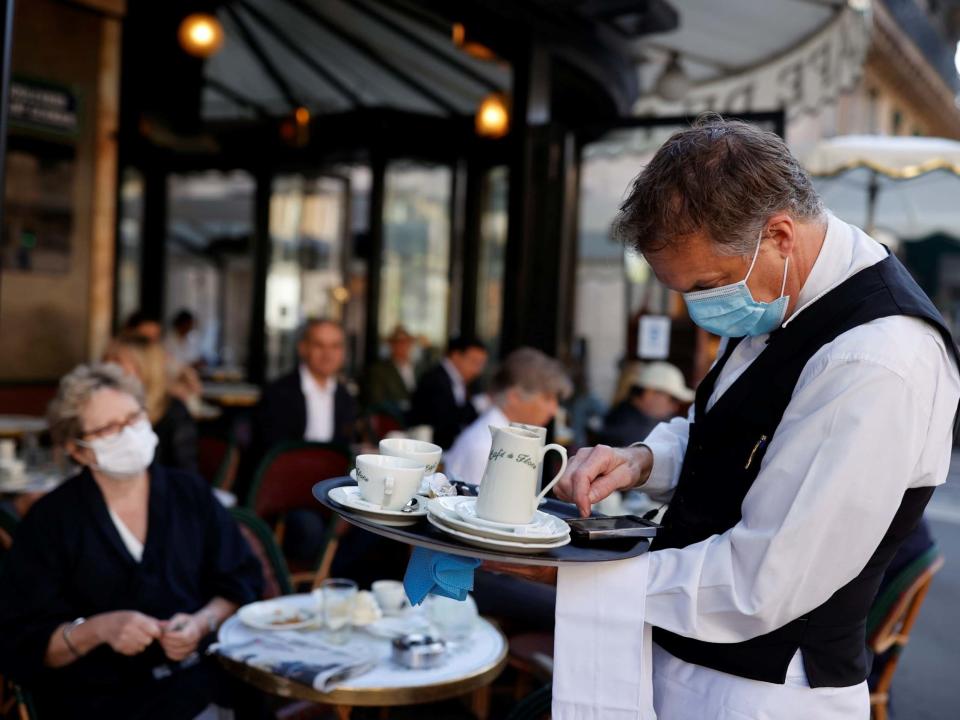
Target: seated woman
118, 578
174, 425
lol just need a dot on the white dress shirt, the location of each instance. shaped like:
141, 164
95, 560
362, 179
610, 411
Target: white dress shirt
459, 386
320, 406
467, 457
871, 416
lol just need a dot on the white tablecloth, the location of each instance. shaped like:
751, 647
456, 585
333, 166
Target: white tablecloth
466, 657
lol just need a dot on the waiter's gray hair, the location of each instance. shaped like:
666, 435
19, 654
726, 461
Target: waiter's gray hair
76, 389
532, 372
721, 177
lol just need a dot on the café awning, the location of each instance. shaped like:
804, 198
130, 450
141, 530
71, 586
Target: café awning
903, 185
754, 57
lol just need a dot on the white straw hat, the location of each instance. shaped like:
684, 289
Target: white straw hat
664, 377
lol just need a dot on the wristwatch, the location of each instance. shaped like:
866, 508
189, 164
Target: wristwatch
67, 629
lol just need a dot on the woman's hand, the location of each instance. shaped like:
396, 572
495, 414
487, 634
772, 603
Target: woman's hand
594, 473
181, 635
128, 632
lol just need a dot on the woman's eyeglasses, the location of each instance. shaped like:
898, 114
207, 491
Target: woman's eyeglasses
114, 428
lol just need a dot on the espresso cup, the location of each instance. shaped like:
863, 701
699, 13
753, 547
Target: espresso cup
387, 481
391, 596
422, 452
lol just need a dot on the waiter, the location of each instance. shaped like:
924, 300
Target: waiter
813, 445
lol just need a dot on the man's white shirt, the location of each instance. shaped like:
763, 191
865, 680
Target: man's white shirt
320, 406
871, 416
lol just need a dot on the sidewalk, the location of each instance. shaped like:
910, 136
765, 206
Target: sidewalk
925, 686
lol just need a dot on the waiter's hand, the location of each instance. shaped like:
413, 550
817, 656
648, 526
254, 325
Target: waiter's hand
594, 473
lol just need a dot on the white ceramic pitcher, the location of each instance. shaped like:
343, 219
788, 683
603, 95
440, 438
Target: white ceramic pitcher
508, 491
541, 432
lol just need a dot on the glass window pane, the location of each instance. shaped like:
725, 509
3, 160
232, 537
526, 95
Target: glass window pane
415, 269
305, 280
493, 244
209, 260
130, 249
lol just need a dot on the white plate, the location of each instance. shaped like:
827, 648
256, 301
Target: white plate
546, 529
467, 509
394, 626
524, 548
271, 614
349, 497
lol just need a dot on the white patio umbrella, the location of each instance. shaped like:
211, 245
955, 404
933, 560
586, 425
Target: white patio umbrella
909, 186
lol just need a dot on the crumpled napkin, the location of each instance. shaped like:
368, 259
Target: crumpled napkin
438, 573
437, 485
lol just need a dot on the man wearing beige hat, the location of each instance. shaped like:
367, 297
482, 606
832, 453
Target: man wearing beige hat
657, 393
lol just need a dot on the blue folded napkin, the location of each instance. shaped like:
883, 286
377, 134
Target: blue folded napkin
438, 573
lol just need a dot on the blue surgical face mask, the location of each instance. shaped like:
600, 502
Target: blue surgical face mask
731, 311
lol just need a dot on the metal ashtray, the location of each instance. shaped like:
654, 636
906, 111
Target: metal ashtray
418, 651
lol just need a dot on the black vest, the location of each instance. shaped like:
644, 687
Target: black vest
724, 452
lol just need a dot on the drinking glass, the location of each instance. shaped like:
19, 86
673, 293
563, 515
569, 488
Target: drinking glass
339, 596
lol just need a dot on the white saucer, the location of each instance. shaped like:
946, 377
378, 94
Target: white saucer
466, 508
349, 497
393, 626
278, 613
546, 529
521, 548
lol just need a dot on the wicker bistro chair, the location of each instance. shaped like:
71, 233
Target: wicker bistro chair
219, 460
892, 617
284, 481
259, 536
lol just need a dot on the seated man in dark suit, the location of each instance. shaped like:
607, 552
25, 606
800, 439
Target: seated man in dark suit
308, 404
442, 397
389, 382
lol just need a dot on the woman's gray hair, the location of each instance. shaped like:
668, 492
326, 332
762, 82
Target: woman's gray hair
76, 389
532, 372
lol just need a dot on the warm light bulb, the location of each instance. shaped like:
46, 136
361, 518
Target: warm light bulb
200, 34
493, 118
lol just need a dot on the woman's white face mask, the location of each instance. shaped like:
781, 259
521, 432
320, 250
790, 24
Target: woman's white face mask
126, 454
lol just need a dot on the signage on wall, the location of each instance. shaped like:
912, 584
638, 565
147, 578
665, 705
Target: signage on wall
43, 106
800, 81
653, 337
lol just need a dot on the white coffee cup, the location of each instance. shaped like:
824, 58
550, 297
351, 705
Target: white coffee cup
423, 452
390, 595
387, 481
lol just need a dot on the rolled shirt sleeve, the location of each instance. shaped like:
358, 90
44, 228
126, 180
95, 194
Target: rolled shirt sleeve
668, 443
856, 435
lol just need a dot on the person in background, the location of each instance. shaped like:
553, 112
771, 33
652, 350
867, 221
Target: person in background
390, 382
184, 381
172, 422
527, 388
657, 392
183, 342
119, 578
312, 404
442, 397
144, 325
